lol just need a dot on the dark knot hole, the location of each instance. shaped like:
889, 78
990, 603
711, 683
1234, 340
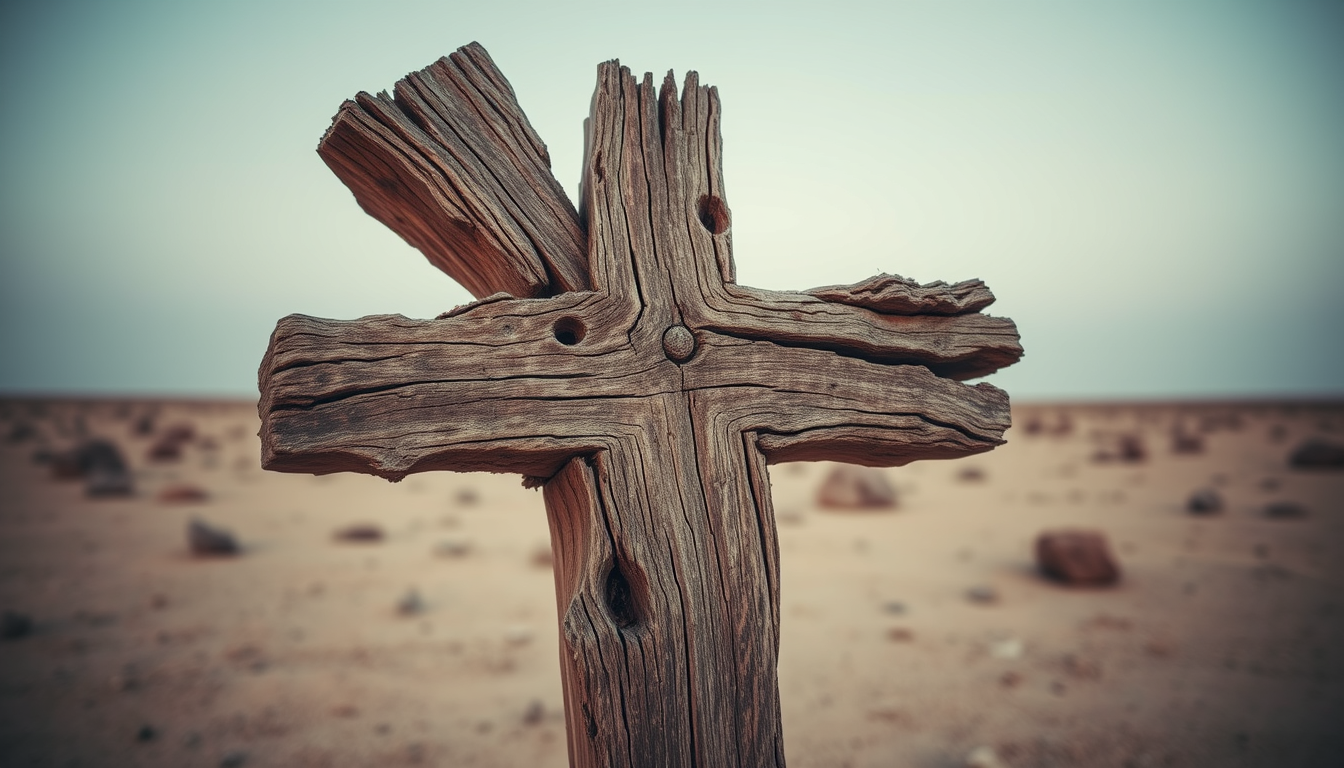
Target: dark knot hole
714, 214
569, 331
621, 599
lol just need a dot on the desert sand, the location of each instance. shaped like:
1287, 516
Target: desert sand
911, 636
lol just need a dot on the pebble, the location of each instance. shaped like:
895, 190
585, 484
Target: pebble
14, 625
1205, 501
983, 594
453, 548
1317, 454
1076, 557
359, 532
1285, 510
411, 603
853, 487
183, 494
205, 539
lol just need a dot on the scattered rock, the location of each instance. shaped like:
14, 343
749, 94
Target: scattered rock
536, 711
900, 635
467, 497
207, 540
1076, 557
1285, 510
359, 532
894, 607
1317, 454
105, 483
21, 432
143, 426
518, 635
1187, 443
183, 494
1125, 448
411, 603
983, 594
1205, 501
181, 432
345, 711
453, 548
971, 474
165, 450
14, 625
1010, 679
85, 458
854, 487
233, 760
146, 733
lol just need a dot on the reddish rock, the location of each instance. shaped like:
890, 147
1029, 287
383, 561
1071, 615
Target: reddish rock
852, 487
165, 450
183, 494
1076, 557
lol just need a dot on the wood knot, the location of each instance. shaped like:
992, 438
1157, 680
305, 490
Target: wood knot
678, 343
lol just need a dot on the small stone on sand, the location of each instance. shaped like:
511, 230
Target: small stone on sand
366, 533
1205, 501
182, 494
1285, 510
411, 603
854, 487
1076, 557
14, 625
1317, 454
207, 540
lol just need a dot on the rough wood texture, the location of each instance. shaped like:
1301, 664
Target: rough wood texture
648, 393
896, 295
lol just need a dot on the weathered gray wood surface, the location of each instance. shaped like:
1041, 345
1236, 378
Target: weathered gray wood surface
631, 376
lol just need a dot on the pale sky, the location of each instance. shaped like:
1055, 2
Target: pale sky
1154, 190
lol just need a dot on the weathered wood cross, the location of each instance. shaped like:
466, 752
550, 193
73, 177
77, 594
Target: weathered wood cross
612, 358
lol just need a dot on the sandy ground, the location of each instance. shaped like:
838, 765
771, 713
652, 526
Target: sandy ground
1223, 645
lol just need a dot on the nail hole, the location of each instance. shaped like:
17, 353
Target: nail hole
714, 214
620, 600
569, 331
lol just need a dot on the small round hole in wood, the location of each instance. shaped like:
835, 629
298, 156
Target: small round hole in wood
569, 331
714, 214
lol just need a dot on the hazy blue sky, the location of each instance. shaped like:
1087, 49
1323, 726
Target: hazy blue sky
1155, 191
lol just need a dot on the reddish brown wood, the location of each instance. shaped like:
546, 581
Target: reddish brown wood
639, 384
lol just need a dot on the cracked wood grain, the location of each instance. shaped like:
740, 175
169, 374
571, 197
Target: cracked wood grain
612, 359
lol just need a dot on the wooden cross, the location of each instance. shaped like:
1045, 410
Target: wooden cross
612, 360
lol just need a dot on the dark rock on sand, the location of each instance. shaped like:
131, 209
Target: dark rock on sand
14, 625
1285, 510
1205, 501
1317, 454
207, 540
359, 533
1076, 557
853, 487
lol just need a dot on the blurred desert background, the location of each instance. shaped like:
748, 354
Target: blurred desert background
364, 623
1152, 190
